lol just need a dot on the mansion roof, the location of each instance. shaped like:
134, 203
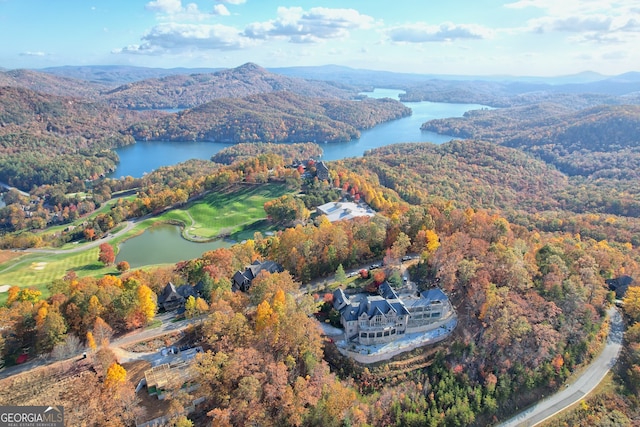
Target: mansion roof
338, 211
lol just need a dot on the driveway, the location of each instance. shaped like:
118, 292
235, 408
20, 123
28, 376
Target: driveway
168, 325
582, 386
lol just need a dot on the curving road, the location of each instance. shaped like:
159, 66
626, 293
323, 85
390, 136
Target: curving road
83, 247
585, 383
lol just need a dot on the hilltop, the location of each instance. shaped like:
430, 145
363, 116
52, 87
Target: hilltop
48, 139
183, 91
274, 116
50, 84
597, 142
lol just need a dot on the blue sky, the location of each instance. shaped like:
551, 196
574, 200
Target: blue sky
468, 37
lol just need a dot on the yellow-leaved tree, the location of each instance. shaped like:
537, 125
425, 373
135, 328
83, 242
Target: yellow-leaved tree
631, 303
147, 302
264, 316
91, 341
116, 376
95, 309
433, 241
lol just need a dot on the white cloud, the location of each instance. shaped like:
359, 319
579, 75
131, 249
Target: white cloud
173, 10
30, 53
232, 1
165, 6
595, 22
632, 25
314, 25
421, 33
573, 24
220, 9
174, 38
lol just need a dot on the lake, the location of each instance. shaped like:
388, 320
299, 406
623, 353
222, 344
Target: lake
164, 243
161, 244
144, 157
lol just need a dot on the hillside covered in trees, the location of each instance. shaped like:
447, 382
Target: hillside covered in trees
530, 303
613, 91
526, 190
47, 139
272, 117
522, 248
598, 142
50, 84
289, 152
184, 91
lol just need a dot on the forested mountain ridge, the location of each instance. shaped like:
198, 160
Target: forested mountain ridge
526, 190
598, 142
472, 173
514, 93
116, 75
183, 91
47, 139
50, 84
272, 117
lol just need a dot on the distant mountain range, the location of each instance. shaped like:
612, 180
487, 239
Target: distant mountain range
114, 75
183, 91
157, 88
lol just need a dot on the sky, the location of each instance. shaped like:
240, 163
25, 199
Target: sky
461, 37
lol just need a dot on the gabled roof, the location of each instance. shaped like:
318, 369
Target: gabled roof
340, 299
187, 291
322, 167
387, 291
434, 294
375, 305
251, 272
619, 285
168, 293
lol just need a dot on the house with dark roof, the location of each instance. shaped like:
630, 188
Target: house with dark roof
241, 280
322, 171
170, 299
619, 285
186, 291
377, 319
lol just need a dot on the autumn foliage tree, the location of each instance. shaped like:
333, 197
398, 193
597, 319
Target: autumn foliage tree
123, 266
106, 256
115, 377
91, 341
631, 303
146, 302
102, 332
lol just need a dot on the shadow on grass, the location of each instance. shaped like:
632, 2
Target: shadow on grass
90, 267
262, 226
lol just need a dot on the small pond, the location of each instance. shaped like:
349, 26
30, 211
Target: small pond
163, 244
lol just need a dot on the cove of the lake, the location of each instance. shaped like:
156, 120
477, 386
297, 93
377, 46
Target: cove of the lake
164, 243
144, 157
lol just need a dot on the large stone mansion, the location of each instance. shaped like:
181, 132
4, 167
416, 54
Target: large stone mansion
386, 317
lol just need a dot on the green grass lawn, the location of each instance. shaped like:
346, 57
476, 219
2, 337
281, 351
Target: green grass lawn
37, 270
227, 213
238, 213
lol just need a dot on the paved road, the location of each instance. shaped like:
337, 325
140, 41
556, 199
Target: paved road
8, 187
83, 247
585, 383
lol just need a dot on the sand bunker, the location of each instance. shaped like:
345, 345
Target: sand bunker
4, 288
38, 265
